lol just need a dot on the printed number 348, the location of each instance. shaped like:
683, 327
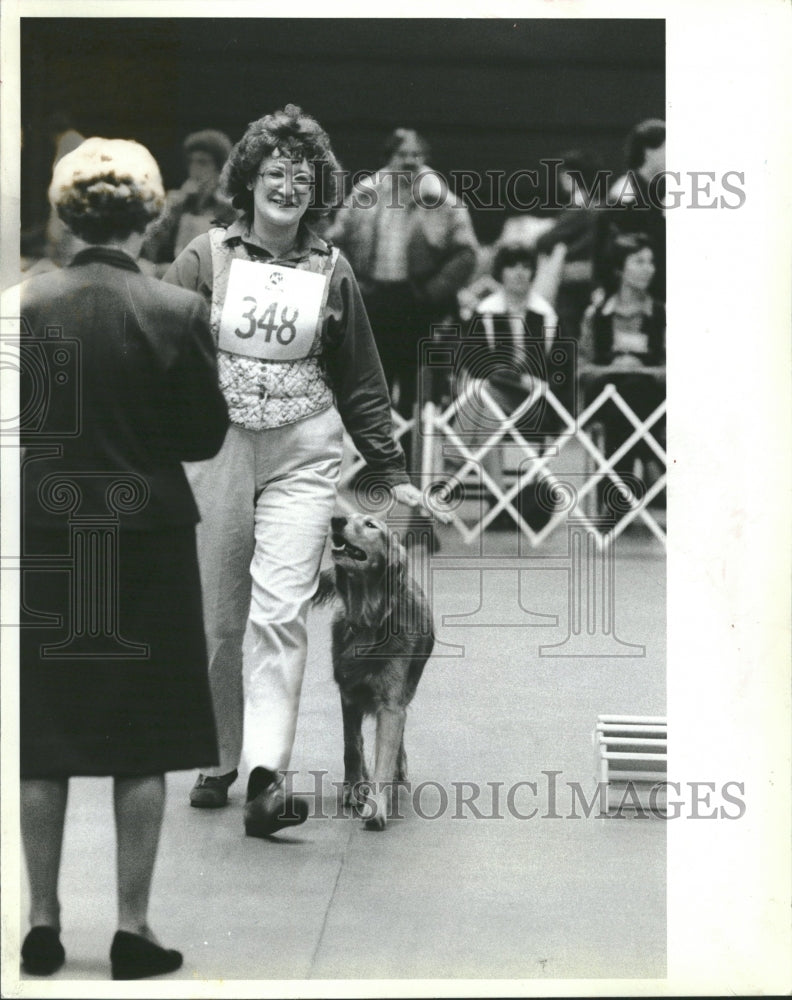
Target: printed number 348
285, 331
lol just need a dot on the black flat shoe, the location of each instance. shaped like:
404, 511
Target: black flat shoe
135, 957
42, 952
212, 793
272, 810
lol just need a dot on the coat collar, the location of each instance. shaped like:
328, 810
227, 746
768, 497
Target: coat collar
307, 241
104, 255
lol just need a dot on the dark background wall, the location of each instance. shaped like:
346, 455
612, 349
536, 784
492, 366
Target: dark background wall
489, 94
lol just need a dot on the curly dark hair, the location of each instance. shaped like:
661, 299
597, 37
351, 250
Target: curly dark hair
296, 135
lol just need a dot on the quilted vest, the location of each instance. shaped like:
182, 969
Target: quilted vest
263, 394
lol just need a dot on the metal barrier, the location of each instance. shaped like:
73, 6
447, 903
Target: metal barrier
561, 492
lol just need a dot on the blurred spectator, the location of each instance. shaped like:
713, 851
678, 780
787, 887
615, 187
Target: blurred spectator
52, 245
507, 354
412, 247
191, 210
623, 343
525, 230
573, 231
635, 205
482, 285
64, 135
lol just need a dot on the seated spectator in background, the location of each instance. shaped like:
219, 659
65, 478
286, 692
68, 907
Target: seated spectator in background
635, 205
511, 334
574, 232
198, 203
623, 343
521, 230
412, 247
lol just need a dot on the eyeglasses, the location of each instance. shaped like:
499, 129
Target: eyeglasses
300, 182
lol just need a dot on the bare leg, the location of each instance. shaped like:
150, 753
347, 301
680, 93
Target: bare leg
139, 808
43, 813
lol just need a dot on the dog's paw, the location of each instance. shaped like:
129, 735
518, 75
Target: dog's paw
377, 823
373, 811
356, 793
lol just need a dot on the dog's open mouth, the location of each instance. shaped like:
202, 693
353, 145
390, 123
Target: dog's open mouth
341, 547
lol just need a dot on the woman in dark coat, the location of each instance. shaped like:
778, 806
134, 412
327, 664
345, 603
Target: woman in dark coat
121, 384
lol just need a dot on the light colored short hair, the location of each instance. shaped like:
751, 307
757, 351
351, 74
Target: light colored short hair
106, 189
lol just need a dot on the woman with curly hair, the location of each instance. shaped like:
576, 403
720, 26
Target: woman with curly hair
113, 667
298, 364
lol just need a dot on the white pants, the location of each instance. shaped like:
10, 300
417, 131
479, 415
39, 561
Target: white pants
265, 501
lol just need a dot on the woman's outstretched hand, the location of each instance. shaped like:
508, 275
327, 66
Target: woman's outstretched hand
410, 496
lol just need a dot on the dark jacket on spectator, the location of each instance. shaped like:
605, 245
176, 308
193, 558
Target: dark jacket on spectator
574, 226
600, 336
121, 369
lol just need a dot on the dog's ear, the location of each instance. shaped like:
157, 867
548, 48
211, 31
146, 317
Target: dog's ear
326, 587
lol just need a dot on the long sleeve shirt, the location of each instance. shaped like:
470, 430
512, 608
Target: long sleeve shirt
349, 352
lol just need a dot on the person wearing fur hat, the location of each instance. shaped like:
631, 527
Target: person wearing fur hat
298, 365
196, 205
118, 685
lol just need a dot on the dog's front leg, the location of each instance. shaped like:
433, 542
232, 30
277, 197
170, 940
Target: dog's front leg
390, 727
354, 763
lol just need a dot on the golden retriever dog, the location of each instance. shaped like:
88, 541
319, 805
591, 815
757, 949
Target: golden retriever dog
382, 635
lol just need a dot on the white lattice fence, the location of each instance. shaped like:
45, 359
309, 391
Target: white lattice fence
562, 492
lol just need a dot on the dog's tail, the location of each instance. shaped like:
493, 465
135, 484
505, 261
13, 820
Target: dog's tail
326, 590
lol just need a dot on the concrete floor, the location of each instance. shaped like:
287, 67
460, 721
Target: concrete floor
451, 897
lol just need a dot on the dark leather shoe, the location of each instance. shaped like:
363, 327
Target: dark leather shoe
211, 793
135, 957
42, 952
273, 810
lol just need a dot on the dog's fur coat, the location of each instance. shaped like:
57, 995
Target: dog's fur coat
382, 637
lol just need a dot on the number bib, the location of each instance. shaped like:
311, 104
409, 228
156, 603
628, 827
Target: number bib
271, 312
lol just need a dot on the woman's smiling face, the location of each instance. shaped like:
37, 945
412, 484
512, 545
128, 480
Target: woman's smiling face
639, 269
282, 191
